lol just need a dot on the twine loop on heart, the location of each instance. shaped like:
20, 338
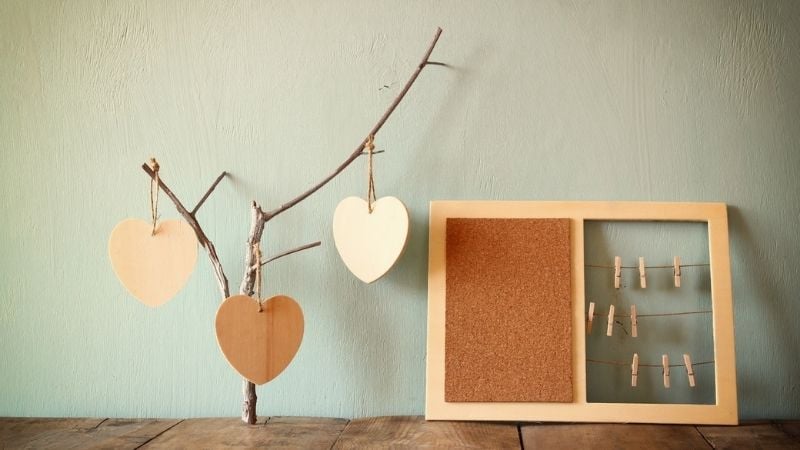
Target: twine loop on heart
154, 185
257, 259
371, 198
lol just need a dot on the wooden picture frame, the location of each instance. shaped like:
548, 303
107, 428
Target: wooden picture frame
724, 411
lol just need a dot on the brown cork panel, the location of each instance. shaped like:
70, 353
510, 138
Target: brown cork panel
508, 328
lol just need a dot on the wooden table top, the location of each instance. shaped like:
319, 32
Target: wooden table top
381, 432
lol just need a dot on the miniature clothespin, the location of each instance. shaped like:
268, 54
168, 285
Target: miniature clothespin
610, 329
676, 270
635, 370
687, 360
634, 322
642, 274
617, 271
590, 317
665, 365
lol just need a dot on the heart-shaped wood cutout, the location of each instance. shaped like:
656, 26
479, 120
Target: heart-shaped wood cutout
153, 268
259, 345
370, 243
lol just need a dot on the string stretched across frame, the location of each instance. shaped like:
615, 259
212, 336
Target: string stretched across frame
642, 268
634, 317
664, 366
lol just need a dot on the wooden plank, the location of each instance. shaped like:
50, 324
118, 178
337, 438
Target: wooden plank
80, 433
22, 432
762, 436
617, 436
415, 432
304, 432
790, 427
278, 432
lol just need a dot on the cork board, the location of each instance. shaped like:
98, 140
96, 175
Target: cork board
508, 334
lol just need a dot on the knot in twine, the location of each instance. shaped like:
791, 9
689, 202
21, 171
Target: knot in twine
154, 185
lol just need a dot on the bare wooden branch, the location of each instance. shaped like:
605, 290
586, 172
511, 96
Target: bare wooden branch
208, 192
359, 150
259, 218
294, 250
219, 272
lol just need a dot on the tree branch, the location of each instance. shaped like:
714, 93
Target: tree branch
359, 150
208, 192
204, 241
259, 218
294, 250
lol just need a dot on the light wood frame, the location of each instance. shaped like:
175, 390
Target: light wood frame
714, 214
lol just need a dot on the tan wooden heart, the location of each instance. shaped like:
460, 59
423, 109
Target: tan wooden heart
370, 243
153, 268
259, 345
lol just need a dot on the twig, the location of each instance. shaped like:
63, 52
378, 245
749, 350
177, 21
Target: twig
294, 250
374, 131
219, 272
259, 218
208, 192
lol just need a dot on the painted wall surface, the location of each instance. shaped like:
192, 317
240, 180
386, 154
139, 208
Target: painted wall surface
612, 100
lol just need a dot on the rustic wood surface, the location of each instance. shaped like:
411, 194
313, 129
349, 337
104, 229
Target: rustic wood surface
381, 432
611, 436
762, 436
415, 432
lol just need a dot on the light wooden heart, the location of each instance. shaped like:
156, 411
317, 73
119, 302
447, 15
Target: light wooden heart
259, 345
370, 244
153, 268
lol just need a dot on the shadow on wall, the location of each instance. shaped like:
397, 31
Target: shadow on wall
752, 375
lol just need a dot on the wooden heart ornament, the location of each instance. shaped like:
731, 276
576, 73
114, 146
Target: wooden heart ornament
370, 243
259, 345
153, 267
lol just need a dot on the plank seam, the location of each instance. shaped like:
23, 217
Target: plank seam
340, 434
159, 434
710, 445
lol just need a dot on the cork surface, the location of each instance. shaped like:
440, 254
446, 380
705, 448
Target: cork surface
508, 311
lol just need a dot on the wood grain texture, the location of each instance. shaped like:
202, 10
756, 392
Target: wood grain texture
377, 432
762, 436
153, 267
80, 433
611, 436
509, 311
370, 242
259, 344
212, 433
415, 432
273, 432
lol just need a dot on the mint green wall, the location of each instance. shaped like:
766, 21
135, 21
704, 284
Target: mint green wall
653, 100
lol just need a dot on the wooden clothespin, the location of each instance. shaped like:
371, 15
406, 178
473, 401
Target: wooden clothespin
634, 322
610, 329
617, 271
687, 360
665, 365
676, 270
642, 274
635, 370
590, 317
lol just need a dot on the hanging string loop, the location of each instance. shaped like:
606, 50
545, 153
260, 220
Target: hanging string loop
371, 198
154, 186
